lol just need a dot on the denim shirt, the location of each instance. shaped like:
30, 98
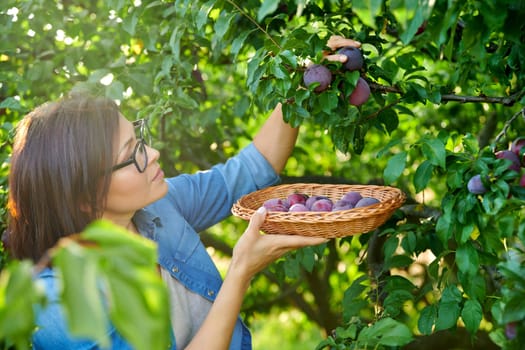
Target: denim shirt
193, 203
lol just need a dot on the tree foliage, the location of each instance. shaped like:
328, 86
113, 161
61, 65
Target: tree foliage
447, 81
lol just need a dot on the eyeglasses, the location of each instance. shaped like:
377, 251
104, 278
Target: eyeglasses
139, 156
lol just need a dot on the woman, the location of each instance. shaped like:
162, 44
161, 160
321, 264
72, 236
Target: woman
83, 160
79, 159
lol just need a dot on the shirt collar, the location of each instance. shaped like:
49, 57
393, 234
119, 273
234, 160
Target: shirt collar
146, 223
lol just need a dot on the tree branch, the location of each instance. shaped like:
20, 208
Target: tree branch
508, 122
506, 101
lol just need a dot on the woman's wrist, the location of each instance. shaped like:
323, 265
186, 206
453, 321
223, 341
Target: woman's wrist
239, 274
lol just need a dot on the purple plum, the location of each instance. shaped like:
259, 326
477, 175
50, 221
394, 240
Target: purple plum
323, 204
318, 73
342, 205
354, 59
275, 204
360, 94
475, 185
312, 199
513, 157
298, 207
511, 331
518, 146
295, 198
352, 197
366, 201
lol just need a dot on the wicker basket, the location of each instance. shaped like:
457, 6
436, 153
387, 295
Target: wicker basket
322, 224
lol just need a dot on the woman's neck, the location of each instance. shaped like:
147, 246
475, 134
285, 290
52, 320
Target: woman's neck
126, 222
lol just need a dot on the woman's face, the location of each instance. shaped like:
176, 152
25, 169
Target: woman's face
131, 190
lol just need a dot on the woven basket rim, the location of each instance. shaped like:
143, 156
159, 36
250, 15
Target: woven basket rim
387, 205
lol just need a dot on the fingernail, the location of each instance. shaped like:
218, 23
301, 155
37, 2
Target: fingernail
261, 210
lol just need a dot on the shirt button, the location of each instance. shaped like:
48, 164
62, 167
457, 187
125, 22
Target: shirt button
175, 269
211, 293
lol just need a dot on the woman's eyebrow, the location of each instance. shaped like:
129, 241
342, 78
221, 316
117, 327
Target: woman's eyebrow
126, 145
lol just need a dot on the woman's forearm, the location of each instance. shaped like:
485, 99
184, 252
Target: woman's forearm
251, 254
217, 329
276, 139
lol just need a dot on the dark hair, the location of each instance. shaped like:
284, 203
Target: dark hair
58, 180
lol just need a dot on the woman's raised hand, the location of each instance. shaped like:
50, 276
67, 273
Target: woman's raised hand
336, 42
255, 250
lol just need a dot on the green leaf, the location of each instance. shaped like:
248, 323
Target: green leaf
475, 287
448, 314
368, 10
292, 268
268, 7
222, 25
278, 71
448, 308
467, 259
389, 145
395, 301
307, 258
137, 297
386, 332
356, 289
238, 42
407, 61
19, 297
413, 25
10, 103
514, 309
202, 16
472, 314
328, 101
80, 280
409, 242
394, 168
423, 175
464, 231
426, 320
289, 57
115, 90
388, 118
116, 275
398, 261
129, 23
435, 152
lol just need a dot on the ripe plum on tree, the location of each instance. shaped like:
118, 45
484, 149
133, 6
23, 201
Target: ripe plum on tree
518, 147
354, 59
317, 73
361, 93
475, 185
508, 154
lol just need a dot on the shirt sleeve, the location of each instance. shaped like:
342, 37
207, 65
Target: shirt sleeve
206, 197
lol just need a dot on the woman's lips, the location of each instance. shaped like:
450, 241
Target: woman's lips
158, 175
